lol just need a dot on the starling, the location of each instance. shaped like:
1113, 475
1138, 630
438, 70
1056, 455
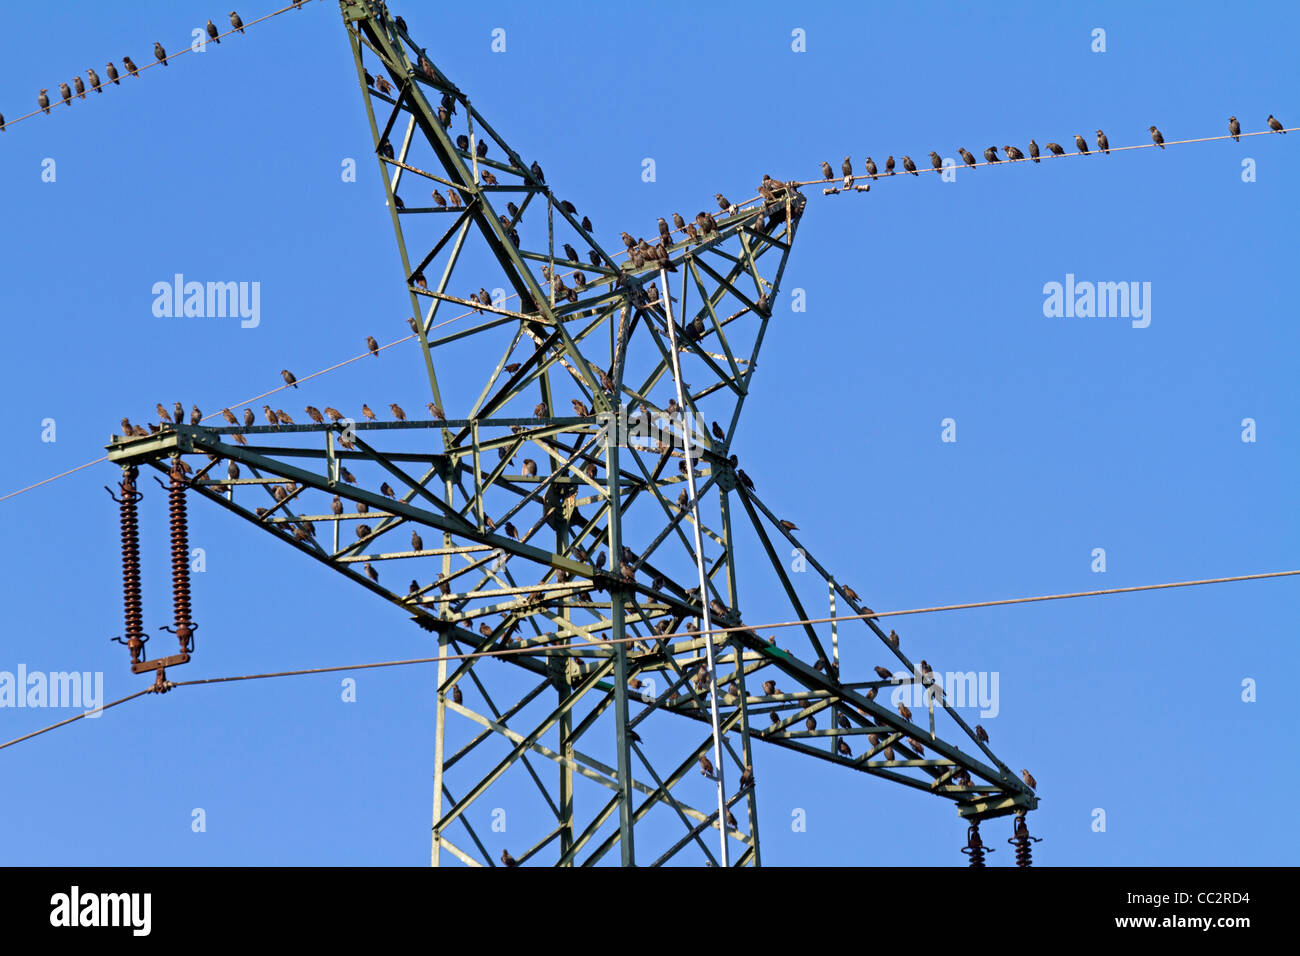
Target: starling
580, 409
1033, 151
539, 410
288, 377
871, 168
94, 80
1234, 128
347, 475
159, 53
1029, 779
336, 506
916, 745
65, 93
586, 224
162, 413
991, 154
229, 416
507, 859
747, 777
718, 433
196, 416
80, 87
883, 673
365, 410
530, 468
844, 749
1013, 153
512, 531
130, 66
232, 471
893, 638
44, 102
417, 543
314, 414
438, 200
372, 345
235, 22
811, 723
111, 70
827, 172
456, 695
371, 573
1103, 143
706, 767
910, 166
1056, 149
724, 204
1080, 144
846, 168
387, 491
212, 32
397, 411
905, 711
362, 507
489, 179
935, 160
966, 156
889, 753
178, 413
1156, 137
283, 417
889, 166
981, 734
453, 197
789, 525
536, 170
1275, 125
481, 148
435, 412
851, 594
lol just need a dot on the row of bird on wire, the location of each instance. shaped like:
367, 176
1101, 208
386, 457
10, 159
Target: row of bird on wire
1011, 153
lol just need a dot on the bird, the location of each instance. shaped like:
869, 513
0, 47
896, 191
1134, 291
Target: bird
435, 412
178, 413
229, 416
1275, 125
1234, 129
1029, 779
456, 695
935, 160
507, 859
162, 413
789, 525
811, 723
981, 734
481, 148
372, 345
365, 410
539, 410
1056, 149
65, 93
580, 409
706, 767
724, 204
846, 168
905, 711
288, 377
893, 638
159, 53
439, 200
827, 172
283, 417
387, 491
1080, 144
1156, 137
336, 506
111, 70
916, 745
371, 573
417, 543
94, 80
966, 156
851, 594
889, 166
883, 673
747, 777
718, 433
991, 154
535, 169
130, 66
196, 416
1033, 151
248, 417
212, 32
1013, 153
44, 102
235, 22
871, 168
910, 166
397, 411
314, 414
80, 87
530, 468
1103, 143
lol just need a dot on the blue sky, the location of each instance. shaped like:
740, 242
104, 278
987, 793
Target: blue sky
924, 302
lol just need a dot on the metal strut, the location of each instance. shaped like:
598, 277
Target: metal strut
1023, 842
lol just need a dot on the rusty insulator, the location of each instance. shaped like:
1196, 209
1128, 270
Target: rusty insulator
1023, 842
184, 627
134, 637
974, 847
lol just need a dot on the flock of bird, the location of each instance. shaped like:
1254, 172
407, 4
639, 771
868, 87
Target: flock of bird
1011, 153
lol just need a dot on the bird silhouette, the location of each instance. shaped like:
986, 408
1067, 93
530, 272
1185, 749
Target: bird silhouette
1234, 129
235, 22
159, 53
1156, 137
1103, 143
1275, 124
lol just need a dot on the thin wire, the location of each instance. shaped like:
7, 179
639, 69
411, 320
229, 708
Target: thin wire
472, 655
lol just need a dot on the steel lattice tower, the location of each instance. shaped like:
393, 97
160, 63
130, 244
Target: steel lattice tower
585, 567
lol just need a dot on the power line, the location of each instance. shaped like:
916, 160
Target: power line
508, 652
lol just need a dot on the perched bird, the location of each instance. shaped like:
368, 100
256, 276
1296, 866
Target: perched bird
196, 416
1234, 128
529, 468
747, 777
314, 414
916, 745
94, 80
417, 543
397, 411
159, 53
80, 87
1103, 143
981, 734
44, 102
336, 506
789, 525
851, 594
212, 32
706, 767
283, 417
724, 204
827, 172
718, 433
1013, 153
111, 70
235, 22
844, 749
162, 413
893, 638
846, 168
372, 345
365, 410
507, 859
910, 166
1275, 125
991, 154
438, 200
1029, 779
889, 166
811, 723
288, 377
966, 156
905, 711
536, 170
130, 66
883, 673
580, 409
435, 412
871, 168
387, 491
539, 410
935, 160
371, 573
1080, 144
1056, 149
1156, 137
481, 148
1033, 151
229, 416
178, 413
65, 93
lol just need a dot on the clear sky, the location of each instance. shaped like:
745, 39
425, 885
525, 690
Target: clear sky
924, 302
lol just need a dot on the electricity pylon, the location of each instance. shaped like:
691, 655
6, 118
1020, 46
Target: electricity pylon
596, 552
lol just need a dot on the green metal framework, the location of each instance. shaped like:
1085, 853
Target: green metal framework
603, 656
